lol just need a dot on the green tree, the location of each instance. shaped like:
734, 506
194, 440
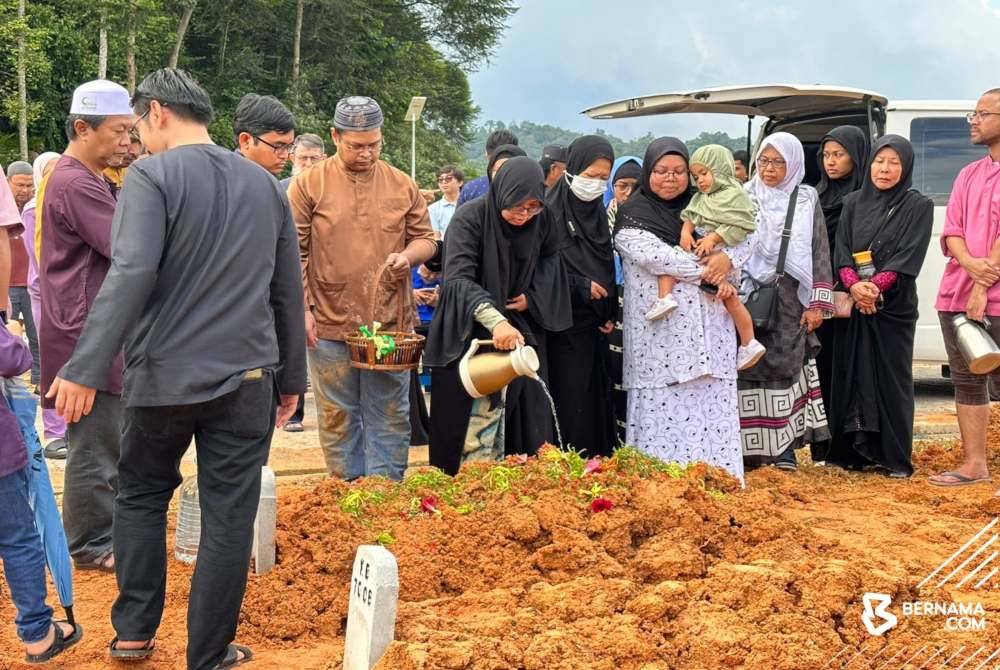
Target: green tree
24, 69
389, 49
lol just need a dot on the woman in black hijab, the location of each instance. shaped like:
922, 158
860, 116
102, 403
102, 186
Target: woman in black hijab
578, 356
843, 159
680, 372
503, 279
501, 155
648, 211
871, 415
625, 177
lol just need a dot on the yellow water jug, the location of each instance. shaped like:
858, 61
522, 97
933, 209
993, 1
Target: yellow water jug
489, 372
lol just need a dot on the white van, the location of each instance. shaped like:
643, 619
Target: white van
937, 128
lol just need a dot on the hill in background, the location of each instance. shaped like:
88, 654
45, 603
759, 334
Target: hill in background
533, 136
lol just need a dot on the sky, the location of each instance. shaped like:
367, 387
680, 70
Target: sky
559, 57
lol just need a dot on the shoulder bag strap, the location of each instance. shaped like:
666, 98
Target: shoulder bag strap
786, 234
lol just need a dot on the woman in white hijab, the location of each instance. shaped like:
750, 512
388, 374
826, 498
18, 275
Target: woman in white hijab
781, 406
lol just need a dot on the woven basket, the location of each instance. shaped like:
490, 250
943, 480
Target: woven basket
409, 346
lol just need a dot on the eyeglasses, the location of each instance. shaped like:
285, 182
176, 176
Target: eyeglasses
668, 174
372, 148
277, 148
972, 116
133, 131
768, 162
444, 179
525, 211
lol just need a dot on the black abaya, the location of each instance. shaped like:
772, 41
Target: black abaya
579, 356
871, 414
487, 260
831, 197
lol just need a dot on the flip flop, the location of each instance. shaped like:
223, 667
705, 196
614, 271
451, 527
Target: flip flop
232, 658
99, 564
140, 654
960, 480
60, 644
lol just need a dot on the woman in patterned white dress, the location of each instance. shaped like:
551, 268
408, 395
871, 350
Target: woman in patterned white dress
680, 372
781, 404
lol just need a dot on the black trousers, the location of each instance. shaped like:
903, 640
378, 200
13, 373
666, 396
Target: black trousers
578, 375
232, 436
527, 416
450, 410
420, 423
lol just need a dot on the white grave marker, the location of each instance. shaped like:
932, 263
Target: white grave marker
371, 614
266, 524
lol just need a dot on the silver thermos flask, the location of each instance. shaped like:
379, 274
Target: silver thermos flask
977, 347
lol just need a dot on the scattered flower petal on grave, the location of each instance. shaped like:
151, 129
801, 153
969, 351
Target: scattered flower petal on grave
430, 505
601, 504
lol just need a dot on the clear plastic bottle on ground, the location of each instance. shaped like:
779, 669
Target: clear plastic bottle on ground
188, 533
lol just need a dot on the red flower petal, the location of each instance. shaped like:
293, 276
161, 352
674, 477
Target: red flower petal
601, 504
429, 505
592, 466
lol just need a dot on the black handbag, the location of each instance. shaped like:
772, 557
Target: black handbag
762, 302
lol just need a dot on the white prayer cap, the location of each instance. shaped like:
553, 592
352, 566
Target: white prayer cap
101, 98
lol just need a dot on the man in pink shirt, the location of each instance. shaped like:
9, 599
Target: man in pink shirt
971, 284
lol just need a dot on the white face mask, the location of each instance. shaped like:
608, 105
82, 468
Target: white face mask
586, 188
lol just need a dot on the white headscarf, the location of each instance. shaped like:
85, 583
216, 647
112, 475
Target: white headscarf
38, 169
772, 204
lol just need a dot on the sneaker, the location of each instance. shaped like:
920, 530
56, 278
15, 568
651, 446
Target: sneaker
294, 427
661, 308
750, 355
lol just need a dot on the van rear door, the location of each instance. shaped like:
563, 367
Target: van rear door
779, 103
808, 112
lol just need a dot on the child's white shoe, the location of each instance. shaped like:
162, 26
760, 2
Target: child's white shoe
750, 355
661, 308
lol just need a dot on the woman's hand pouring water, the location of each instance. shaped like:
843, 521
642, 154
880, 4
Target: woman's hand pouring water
506, 337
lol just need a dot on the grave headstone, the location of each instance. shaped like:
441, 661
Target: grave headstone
265, 525
371, 612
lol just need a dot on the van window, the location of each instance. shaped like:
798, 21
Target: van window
942, 148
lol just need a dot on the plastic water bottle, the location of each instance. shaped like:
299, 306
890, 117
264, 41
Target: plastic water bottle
188, 522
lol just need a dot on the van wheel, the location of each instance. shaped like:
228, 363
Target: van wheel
994, 390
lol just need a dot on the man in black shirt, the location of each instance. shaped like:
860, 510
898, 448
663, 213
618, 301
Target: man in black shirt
205, 292
265, 117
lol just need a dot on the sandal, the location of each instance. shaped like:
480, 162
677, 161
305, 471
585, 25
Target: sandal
232, 658
56, 450
60, 644
99, 564
959, 480
140, 654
